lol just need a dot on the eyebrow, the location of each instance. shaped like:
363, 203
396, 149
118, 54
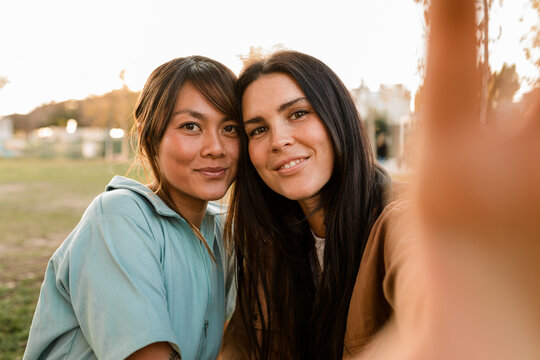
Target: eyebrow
197, 115
281, 107
191, 113
290, 103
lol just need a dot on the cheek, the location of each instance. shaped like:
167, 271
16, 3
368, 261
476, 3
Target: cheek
326, 146
329, 150
330, 162
233, 148
257, 155
174, 151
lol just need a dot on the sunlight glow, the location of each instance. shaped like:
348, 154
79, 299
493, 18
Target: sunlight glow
116, 133
71, 126
44, 132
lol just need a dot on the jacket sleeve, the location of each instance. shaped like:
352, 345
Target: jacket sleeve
115, 285
373, 301
398, 246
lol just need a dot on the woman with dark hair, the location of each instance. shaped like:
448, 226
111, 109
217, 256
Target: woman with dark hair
144, 274
312, 215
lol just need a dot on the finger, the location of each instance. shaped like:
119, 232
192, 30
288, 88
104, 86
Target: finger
449, 121
452, 77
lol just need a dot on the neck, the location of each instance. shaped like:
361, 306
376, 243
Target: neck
314, 217
191, 209
193, 214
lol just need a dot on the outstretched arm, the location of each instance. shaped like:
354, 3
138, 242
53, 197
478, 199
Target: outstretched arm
473, 292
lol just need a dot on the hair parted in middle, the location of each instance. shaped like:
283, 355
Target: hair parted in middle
272, 238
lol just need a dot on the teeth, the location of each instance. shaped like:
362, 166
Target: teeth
291, 164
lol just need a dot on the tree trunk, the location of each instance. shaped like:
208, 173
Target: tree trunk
485, 68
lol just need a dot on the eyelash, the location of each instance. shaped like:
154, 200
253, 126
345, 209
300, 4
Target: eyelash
234, 128
298, 114
229, 129
185, 126
294, 116
256, 132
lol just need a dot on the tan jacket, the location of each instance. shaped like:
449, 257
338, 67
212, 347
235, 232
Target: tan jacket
373, 293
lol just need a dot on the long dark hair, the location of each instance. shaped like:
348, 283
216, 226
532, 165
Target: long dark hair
155, 106
273, 243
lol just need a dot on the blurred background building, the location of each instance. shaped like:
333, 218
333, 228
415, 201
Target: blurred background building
388, 118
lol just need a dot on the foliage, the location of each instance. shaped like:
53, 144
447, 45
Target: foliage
114, 109
61, 116
497, 86
503, 85
532, 43
381, 125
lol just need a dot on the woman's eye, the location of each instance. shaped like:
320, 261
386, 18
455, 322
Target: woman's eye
190, 127
298, 114
231, 129
257, 131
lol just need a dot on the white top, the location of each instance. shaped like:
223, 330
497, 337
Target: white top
319, 247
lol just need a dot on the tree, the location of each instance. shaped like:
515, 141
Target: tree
483, 6
484, 31
503, 85
114, 109
532, 41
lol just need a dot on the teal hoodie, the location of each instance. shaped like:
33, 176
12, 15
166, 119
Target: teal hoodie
132, 273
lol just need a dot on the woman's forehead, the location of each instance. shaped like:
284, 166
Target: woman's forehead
273, 90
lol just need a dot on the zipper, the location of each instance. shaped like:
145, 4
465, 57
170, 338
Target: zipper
203, 253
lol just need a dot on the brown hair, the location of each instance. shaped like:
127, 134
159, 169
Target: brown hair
155, 106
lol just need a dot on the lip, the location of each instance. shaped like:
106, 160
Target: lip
292, 169
213, 172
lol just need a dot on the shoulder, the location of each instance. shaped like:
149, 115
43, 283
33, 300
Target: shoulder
132, 202
394, 231
389, 238
397, 204
111, 216
124, 202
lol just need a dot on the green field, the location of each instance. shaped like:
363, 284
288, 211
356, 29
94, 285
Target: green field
41, 201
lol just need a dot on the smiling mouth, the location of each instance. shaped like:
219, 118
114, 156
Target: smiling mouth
291, 166
212, 172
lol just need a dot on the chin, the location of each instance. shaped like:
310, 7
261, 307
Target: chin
297, 196
214, 195
298, 190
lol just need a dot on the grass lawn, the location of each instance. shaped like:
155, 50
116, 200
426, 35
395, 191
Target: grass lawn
41, 201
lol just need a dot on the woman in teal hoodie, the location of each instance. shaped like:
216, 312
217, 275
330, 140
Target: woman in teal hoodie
145, 274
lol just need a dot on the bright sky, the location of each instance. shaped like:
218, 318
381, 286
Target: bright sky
56, 50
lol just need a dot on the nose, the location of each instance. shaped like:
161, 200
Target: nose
212, 145
281, 137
